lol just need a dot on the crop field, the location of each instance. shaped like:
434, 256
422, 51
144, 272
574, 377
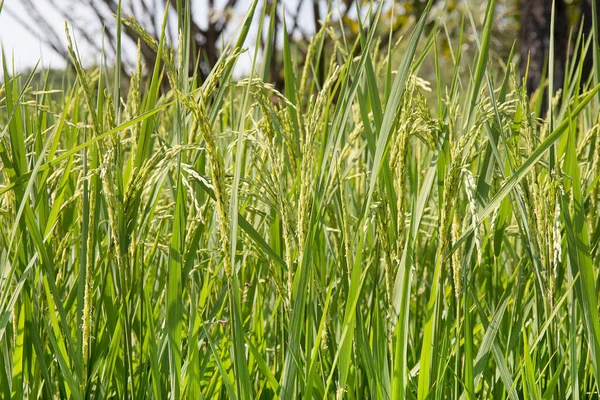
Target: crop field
360, 233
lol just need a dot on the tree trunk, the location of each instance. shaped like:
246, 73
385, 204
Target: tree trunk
534, 39
587, 16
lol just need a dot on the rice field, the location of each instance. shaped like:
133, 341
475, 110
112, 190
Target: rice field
370, 234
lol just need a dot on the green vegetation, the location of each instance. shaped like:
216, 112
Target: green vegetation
349, 238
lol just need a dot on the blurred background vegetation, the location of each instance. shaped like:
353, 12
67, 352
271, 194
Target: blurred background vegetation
524, 24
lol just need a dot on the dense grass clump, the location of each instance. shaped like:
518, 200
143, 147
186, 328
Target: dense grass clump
363, 233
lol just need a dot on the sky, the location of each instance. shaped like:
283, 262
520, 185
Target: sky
25, 48
22, 46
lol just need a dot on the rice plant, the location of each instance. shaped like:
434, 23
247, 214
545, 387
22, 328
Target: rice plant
364, 232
